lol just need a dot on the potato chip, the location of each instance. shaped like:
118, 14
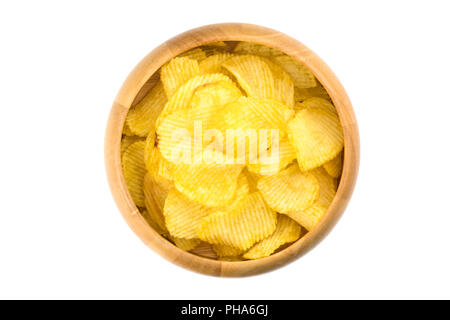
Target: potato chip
127, 141
155, 193
183, 215
141, 118
242, 227
213, 64
334, 166
283, 86
176, 132
215, 94
319, 103
208, 182
182, 98
287, 231
177, 72
196, 53
318, 91
273, 163
301, 75
256, 49
309, 217
253, 75
226, 251
186, 244
298, 106
317, 137
154, 161
151, 216
133, 165
127, 131
289, 189
252, 179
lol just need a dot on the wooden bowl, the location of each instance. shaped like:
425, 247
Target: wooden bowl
138, 84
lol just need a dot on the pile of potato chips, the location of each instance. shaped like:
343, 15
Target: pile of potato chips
233, 210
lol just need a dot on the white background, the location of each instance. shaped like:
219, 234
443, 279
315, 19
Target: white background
61, 64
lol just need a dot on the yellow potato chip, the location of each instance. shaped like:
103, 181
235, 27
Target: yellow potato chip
253, 75
241, 227
319, 103
215, 94
127, 141
317, 137
334, 166
289, 189
154, 161
149, 216
155, 193
226, 251
309, 217
126, 130
276, 161
283, 85
141, 118
133, 165
252, 179
287, 231
244, 47
183, 215
177, 139
209, 181
213, 64
196, 53
301, 75
177, 72
318, 91
182, 98
298, 106
186, 244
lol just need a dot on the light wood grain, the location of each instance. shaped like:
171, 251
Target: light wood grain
139, 82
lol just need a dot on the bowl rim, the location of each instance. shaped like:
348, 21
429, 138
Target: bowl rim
139, 77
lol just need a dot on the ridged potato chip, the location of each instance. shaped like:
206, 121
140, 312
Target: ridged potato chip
287, 231
301, 75
183, 215
274, 163
289, 189
317, 137
252, 179
283, 90
256, 49
196, 53
334, 166
141, 118
127, 141
210, 183
253, 75
155, 194
186, 244
319, 103
182, 98
155, 163
242, 227
213, 64
215, 94
133, 165
151, 216
318, 91
126, 130
309, 217
177, 72
226, 251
